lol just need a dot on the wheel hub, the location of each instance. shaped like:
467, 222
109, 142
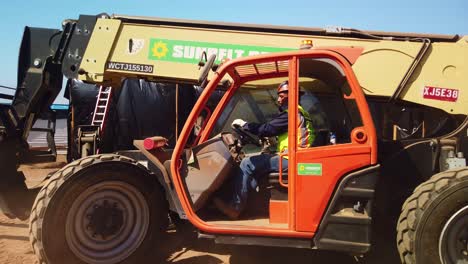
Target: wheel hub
453, 246
464, 244
105, 220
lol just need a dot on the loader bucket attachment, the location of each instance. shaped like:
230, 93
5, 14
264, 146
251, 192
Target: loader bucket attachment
39, 82
15, 198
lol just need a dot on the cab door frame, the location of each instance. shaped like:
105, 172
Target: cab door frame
309, 195
227, 67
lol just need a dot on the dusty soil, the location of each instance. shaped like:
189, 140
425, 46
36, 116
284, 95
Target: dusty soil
14, 242
181, 246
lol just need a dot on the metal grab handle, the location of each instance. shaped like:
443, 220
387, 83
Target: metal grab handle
281, 170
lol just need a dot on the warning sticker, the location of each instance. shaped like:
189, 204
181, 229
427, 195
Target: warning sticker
441, 94
134, 46
311, 169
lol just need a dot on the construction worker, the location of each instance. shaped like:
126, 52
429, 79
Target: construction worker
254, 167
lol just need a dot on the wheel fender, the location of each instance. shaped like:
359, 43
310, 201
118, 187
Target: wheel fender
75, 169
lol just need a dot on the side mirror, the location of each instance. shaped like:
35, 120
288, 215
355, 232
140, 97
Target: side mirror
202, 80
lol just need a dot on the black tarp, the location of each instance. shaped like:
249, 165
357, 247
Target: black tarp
147, 109
138, 109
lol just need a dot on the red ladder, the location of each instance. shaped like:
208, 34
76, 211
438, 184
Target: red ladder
102, 107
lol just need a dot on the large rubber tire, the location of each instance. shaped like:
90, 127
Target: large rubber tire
100, 209
436, 207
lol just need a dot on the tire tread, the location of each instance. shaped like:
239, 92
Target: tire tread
416, 204
47, 192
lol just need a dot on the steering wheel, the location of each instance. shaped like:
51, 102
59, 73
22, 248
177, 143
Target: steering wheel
246, 137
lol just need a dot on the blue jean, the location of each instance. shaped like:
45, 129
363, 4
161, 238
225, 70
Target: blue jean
252, 169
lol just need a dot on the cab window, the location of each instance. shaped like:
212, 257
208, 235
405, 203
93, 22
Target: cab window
327, 97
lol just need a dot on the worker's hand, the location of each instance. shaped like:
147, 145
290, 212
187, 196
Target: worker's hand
238, 122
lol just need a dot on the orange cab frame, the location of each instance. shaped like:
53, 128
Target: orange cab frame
308, 197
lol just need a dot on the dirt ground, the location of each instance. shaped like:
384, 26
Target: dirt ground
181, 246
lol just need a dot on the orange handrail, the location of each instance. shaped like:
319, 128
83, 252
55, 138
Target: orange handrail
281, 169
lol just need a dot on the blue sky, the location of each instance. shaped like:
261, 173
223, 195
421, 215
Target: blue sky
427, 16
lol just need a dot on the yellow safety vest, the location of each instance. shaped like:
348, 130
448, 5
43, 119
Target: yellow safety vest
305, 136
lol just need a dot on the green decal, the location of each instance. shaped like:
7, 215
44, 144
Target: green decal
314, 169
190, 51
